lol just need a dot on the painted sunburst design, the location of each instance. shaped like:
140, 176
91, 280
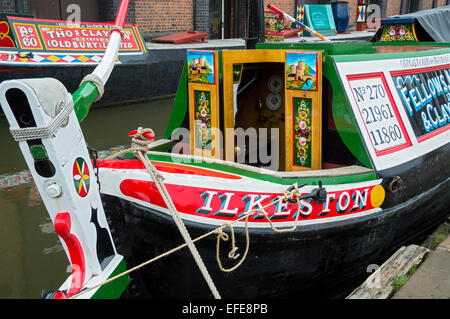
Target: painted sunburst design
81, 177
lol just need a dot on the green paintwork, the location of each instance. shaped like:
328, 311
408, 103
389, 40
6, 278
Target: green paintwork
83, 99
237, 72
344, 179
344, 120
387, 56
348, 48
38, 152
115, 288
180, 105
334, 180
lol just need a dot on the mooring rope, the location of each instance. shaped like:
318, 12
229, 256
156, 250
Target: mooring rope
140, 146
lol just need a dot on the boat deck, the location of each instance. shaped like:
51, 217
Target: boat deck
239, 43
167, 59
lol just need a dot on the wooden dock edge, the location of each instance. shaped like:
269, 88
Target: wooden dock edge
379, 284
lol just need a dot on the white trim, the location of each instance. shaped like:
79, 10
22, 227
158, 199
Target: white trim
331, 172
386, 66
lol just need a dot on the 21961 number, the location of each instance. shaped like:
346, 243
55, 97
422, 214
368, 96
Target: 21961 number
377, 113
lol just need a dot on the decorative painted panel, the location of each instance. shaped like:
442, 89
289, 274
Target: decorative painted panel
201, 66
302, 115
203, 103
398, 33
301, 71
202, 100
274, 25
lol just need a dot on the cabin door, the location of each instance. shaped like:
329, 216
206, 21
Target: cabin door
273, 98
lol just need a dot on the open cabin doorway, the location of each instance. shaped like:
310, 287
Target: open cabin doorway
275, 94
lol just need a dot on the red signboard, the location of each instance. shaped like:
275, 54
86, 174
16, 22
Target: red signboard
52, 35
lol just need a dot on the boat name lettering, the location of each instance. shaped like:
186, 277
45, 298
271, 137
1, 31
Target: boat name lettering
234, 205
53, 36
426, 99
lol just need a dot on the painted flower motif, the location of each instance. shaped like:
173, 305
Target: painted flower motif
402, 32
203, 113
203, 97
302, 159
203, 127
302, 141
302, 124
303, 114
303, 106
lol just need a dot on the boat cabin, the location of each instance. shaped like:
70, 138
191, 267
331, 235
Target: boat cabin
307, 106
270, 101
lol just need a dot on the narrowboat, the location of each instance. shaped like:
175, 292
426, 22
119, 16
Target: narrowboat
286, 170
67, 51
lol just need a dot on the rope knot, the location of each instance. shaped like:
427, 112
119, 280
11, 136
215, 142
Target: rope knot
141, 139
290, 193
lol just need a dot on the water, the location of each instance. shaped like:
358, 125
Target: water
31, 255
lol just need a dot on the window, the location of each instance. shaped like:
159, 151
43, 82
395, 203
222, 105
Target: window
409, 6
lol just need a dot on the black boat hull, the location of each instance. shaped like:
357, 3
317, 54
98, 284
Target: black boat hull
321, 261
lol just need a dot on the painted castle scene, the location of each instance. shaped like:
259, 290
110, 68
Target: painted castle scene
301, 71
201, 66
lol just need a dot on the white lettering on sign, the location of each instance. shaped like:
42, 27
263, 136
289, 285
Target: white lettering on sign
377, 112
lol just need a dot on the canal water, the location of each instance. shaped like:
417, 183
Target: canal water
31, 255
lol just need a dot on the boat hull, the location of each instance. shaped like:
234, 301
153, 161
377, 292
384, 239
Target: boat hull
128, 83
320, 261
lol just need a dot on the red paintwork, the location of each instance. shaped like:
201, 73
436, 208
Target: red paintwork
148, 135
5, 40
276, 10
288, 33
183, 37
193, 201
62, 227
164, 167
122, 13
